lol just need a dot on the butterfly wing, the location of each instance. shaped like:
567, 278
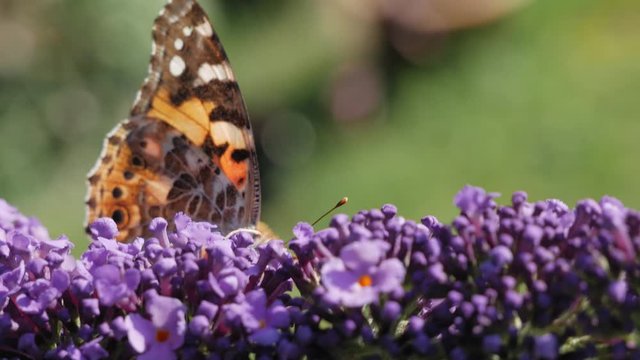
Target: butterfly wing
187, 145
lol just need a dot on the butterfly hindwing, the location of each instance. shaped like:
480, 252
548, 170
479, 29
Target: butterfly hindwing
187, 145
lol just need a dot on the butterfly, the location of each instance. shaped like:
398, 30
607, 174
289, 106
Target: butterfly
187, 145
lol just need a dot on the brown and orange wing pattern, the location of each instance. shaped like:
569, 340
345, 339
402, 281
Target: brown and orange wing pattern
187, 145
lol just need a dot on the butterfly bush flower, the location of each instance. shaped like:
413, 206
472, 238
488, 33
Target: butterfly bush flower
529, 280
360, 275
261, 321
159, 337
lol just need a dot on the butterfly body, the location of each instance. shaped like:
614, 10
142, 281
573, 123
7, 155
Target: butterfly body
187, 145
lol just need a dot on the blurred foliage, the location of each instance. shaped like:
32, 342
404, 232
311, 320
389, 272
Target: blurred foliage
543, 99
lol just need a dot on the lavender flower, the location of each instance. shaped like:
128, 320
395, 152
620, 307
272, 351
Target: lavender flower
262, 321
114, 286
360, 275
159, 337
527, 280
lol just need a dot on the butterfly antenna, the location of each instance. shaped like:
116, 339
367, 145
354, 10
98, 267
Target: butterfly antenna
340, 203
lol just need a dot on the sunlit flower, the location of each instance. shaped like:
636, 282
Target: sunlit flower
361, 274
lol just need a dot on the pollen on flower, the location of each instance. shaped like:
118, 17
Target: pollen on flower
162, 335
365, 280
263, 324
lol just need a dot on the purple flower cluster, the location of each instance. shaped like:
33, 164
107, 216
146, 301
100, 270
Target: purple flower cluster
528, 281
177, 294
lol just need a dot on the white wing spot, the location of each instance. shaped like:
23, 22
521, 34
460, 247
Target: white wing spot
178, 44
187, 30
176, 66
208, 72
205, 29
205, 72
225, 132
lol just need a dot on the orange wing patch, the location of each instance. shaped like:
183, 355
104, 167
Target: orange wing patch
235, 170
235, 155
190, 118
117, 184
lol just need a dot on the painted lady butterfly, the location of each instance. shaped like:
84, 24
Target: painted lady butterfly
187, 145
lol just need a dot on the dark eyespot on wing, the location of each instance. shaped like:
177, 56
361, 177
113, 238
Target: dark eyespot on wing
118, 216
137, 161
116, 192
239, 155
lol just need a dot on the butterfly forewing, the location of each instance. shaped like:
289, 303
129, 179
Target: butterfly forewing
187, 145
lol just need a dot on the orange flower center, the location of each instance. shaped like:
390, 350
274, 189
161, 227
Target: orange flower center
263, 324
365, 280
162, 335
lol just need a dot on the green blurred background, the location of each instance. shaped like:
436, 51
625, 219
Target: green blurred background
401, 101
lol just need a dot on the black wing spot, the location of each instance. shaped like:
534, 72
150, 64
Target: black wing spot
239, 155
118, 216
116, 192
128, 175
137, 161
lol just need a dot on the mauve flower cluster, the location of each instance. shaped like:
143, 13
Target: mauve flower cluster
527, 281
187, 293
